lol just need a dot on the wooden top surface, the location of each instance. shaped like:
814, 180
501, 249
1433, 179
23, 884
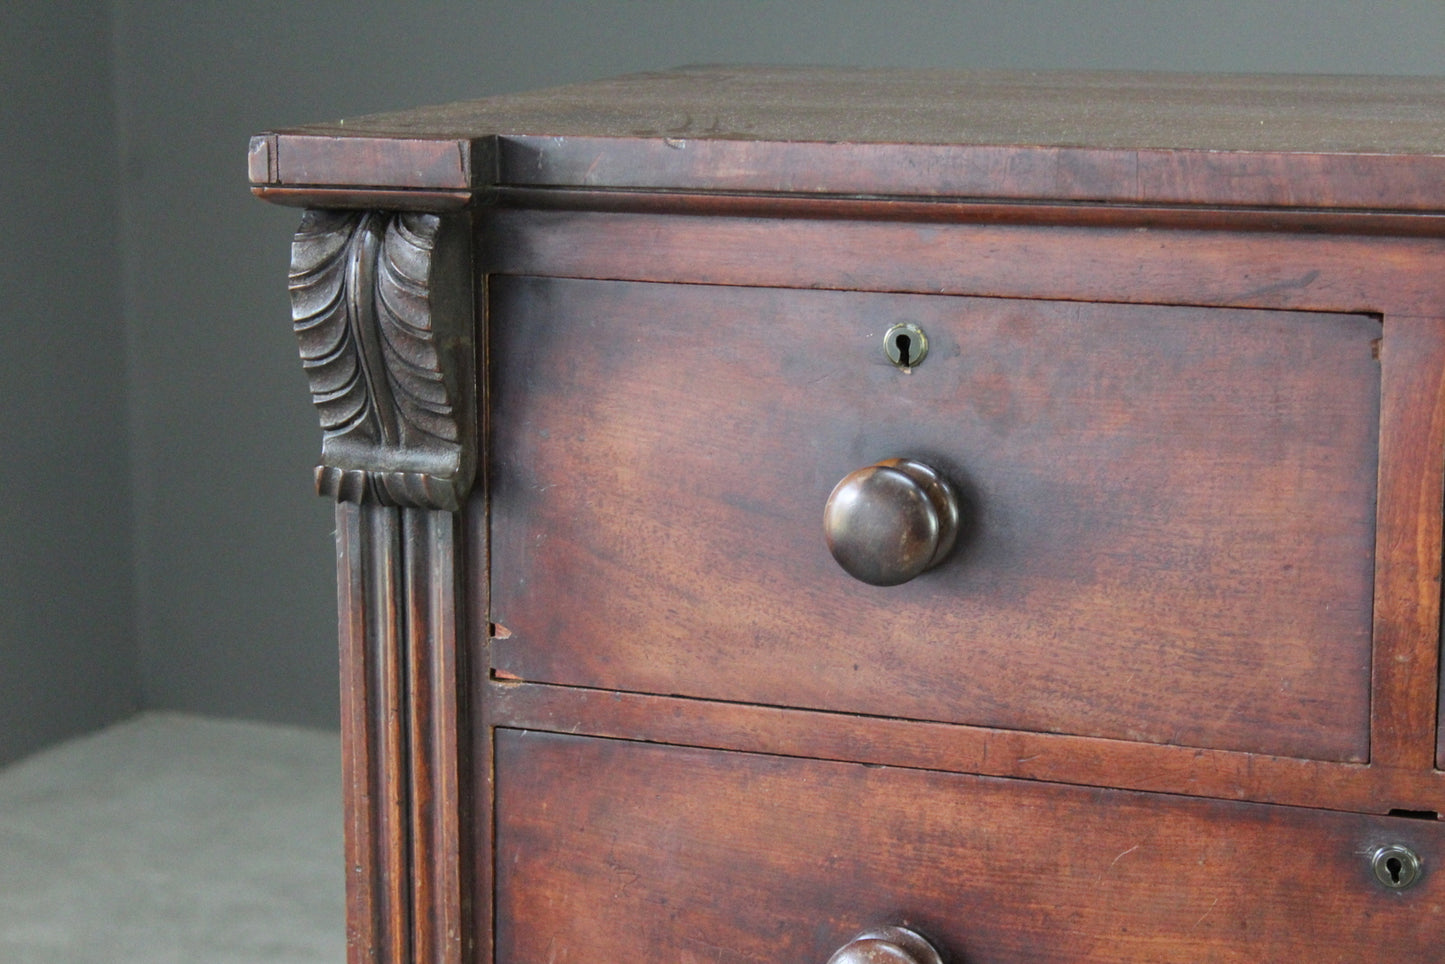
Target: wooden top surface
1395, 115
1350, 142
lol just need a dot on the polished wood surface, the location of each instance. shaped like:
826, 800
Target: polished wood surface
1088, 257
406, 760
887, 945
892, 521
1165, 508
1082, 761
1169, 698
626, 851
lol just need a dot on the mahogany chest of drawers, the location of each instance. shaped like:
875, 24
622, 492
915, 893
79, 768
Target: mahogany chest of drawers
789, 514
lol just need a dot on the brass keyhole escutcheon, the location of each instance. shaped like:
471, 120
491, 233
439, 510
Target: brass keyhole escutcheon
905, 345
1396, 866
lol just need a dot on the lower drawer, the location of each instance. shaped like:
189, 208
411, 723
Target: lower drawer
611, 850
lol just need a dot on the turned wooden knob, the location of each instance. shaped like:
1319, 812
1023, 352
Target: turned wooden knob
891, 521
886, 945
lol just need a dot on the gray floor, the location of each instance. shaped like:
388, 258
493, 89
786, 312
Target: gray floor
174, 839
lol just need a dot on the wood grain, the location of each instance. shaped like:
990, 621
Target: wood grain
373, 738
1188, 370
440, 809
1077, 262
1407, 597
1081, 761
628, 851
962, 211
1169, 509
405, 757
1331, 143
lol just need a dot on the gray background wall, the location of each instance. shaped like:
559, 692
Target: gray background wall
68, 647
159, 547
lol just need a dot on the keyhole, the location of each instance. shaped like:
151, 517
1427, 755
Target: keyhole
905, 345
1396, 866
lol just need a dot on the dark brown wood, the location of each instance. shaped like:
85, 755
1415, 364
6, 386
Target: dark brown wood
1165, 509
851, 106
366, 199
374, 763
887, 945
961, 211
950, 211
478, 798
1082, 761
381, 304
626, 851
1087, 260
407, 799
1287, 141
606, 694
440, 814
1408, 554
693, 161
428, 163
890, 522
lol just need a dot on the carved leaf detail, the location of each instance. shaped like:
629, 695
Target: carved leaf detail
321, 317
387, 355
409, 343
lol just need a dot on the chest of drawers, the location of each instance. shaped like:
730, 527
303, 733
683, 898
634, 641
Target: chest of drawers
786, 515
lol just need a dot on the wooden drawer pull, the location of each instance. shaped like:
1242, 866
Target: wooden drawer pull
887, 945
891, 521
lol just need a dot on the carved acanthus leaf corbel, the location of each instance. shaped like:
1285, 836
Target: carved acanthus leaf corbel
382, 305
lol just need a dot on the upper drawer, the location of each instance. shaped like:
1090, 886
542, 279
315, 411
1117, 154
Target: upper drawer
1171, 510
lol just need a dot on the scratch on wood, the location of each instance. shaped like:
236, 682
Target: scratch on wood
1119, 858
1284, 284
1209, 910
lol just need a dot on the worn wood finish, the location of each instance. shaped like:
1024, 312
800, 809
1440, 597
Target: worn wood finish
1082, 761
405, 769
381, 304
441, 816
1187, 369
401, 199
1284, 141
680, 162
1407, 588
1164, 508
952, 211
625, 851
1081, 261
477, 857
373, 738
423, 163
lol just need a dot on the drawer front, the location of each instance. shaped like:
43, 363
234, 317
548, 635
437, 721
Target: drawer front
1169, 511
609, 850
